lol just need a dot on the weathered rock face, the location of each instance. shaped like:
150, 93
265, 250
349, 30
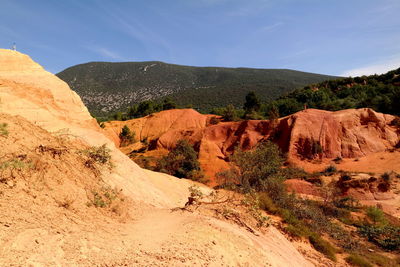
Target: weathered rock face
26, 89
346, 133
306, 135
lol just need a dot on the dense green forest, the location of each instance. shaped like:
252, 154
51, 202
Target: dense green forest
106, 88
379, 92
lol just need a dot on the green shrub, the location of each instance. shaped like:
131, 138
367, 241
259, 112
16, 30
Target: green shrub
9, 168
297, 230
337, 160
3, 129
330, 170
387, 237
323, 246
181, 162
376, 215
14, 164
99, 154
335, 212
266, 203
357, 260
229, 113
253, 115
276, 190
258, 165
126, 136
252, 103
386, 177
104, 197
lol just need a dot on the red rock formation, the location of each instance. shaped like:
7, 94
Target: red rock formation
304, 136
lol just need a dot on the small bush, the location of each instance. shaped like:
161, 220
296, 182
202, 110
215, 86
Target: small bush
126, 136
333, 211
297, 230
357, 260
229, 113
15, 164
99, 154
376, 215
181, 162
337, 160
330, 170
9, 168
104, 197
323, 246
266, 203
386, 177
258, 165
387, 237
3, 129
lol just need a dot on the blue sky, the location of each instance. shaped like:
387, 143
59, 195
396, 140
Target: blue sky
339, 37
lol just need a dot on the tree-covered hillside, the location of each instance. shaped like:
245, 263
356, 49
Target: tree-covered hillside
379, 92
109, 87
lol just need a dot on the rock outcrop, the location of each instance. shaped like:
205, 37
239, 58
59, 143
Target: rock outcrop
305, 136
29, 91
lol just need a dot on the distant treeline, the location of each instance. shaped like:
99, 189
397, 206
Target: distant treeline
379, 92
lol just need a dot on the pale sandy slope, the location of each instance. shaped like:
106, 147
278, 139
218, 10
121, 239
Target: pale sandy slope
36, 229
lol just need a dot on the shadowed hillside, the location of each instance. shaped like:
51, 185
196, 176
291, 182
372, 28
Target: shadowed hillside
107, 87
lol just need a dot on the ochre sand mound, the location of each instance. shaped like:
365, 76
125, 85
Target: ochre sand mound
46, 217
365, 139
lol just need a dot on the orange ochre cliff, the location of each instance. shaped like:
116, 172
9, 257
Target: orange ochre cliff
365, 140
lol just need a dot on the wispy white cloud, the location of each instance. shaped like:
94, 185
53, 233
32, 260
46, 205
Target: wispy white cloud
379, 67
105, 52
269, 28
135, 29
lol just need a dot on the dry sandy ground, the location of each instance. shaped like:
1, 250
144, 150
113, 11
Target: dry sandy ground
47, 196
46, 220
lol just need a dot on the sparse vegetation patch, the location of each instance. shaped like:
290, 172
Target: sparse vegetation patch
100, 155
3, 129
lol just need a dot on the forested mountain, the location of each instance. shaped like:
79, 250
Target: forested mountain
109, 87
